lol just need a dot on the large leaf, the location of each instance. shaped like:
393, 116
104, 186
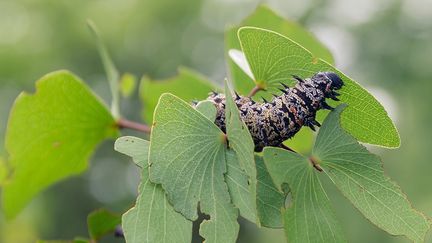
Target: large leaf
187, 85
51, 135
152, 219
241, 142
309, 217
264, 17
187, 156
273, 58
359, 175
102, 222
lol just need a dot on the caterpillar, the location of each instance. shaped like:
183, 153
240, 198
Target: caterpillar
271, 123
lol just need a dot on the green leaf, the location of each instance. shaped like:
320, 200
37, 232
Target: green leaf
309, 217
127, 84
187, 85
264, 17
302, 142
187, 156
359, 175
3, 171
110, 69
269, 200
102, 222
238, 187
51, 135
274, 58
207, 108
239, 58
55, 241
78, 240
134, 147
241, 142
152, 219
81, 240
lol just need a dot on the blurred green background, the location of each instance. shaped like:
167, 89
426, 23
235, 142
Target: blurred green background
385, 45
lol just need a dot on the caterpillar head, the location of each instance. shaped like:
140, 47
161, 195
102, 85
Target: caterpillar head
328, 82
335, 81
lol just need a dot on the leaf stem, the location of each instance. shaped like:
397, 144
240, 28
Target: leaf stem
124, 123
255, 90
315, 164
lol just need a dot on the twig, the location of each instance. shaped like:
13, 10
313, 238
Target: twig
255, 90
123, 123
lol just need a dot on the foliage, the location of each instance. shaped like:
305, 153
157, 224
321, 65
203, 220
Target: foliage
187, 156
356, 173
110, 69
359, 175
190, 167
188, 85
78, 240
127, 84
3, 171
51, 134
154, 219
265, 18
240, 141
273, 58
101, 222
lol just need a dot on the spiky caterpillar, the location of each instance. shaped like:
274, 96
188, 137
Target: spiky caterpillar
271, 123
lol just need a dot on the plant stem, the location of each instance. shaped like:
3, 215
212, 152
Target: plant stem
110, 69
123, 123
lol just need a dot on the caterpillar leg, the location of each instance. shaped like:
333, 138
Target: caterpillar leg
311, 126
326, 106
333, 95
300, 80
286, 147
312, 123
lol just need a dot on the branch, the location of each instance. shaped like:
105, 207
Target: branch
123, 123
